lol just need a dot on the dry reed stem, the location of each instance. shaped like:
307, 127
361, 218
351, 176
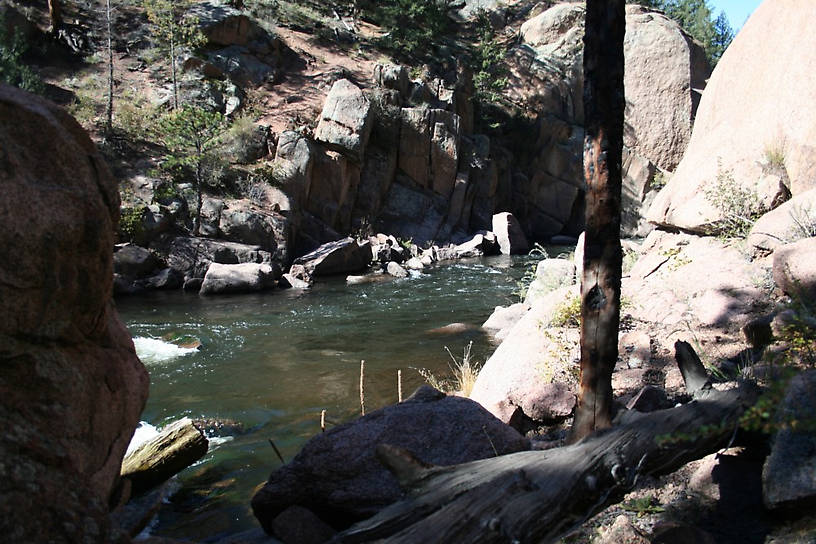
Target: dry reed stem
399, 385
362, 387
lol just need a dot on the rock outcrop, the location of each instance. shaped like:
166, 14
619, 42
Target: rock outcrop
336, 474
341, 257
664, 65
794, 269
71, 386
748, 125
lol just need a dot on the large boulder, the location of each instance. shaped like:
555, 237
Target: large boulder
346, 120
712, 282
222, 24
550, 275
793, 220
71, 386
794, 268
239, 278
344, 256
788, 477
337, 476
509, 234
663, 64
532, 374
748, 122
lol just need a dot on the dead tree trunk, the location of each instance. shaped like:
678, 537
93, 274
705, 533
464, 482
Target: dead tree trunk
178, 446
55, 15
539, 496
603, 143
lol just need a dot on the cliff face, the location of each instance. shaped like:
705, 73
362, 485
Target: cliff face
71, 386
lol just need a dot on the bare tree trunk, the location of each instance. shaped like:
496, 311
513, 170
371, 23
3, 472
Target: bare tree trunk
55, 14
109, 120
199, 199
601, 282
173, 64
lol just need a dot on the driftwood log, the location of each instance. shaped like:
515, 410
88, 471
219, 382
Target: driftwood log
178, 446
539, 496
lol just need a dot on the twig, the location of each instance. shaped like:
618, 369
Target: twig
277, 451
323, 421
362, 387
399, 385
484, 430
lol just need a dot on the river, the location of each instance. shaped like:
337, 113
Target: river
273, 361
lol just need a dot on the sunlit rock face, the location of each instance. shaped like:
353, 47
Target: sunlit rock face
71, 386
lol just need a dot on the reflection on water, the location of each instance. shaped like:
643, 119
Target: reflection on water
273, 361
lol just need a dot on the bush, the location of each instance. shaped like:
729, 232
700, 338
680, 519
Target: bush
740, 206
568, 313
412, 25
489, 69
12, 69
131, 222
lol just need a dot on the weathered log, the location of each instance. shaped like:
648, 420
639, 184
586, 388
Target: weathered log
538, 496
178, 446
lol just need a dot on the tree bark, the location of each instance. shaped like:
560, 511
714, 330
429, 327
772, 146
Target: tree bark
601, 282
109, 119
55, 14
178, 446
539, 496
173, 64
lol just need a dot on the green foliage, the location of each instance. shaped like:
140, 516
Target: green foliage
697, 18
524, 283
644, 505
775, 156
489, 69
189, 134
412, 25
740, 206
12, 68
568, 313
131, 222
173, 27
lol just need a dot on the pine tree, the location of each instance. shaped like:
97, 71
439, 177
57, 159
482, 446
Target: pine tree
173, 27
190, 135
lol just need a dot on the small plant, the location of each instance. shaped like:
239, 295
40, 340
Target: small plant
131, 222
804, 224
12, 68
464, 370
568, 313
524, 283
775, 156
659, 180
740, 206
643, 506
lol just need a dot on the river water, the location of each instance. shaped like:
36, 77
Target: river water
273, 361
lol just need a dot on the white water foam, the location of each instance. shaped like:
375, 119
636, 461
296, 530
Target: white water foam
144, 432
153, 350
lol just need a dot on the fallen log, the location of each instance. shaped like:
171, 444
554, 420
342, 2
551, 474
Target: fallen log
539, 496
178, 446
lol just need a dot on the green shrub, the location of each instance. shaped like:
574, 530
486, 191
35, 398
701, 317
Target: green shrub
131, 222
489, 69
412, 26
740, 206
12, 68
568, 313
